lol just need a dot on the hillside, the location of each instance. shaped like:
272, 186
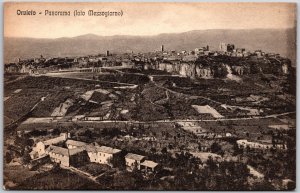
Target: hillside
270, 40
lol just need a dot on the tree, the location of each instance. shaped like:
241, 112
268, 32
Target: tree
237, 150
153, 150
211, 164
164, 150
26, 157
8, 157
117, 161
124, 181
56, 131
215, 148
199, 147
138, 176
220, 70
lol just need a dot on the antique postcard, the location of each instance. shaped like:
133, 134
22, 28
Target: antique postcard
149, 96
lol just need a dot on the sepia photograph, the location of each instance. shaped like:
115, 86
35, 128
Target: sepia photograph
149, 96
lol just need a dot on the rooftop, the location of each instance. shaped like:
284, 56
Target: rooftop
106, 149
149, 164
134, 156
58, 150
64, 151
55, 140
103, 149
90, 148
75, 143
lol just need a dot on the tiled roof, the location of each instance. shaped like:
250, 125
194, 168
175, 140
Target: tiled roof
90, 148
103, 149
149, 164
58, 150
75, 143
64, 151
134, 156
54, 140
106, 149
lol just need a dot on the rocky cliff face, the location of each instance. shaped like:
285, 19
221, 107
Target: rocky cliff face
222, 67
204, 72
187, 69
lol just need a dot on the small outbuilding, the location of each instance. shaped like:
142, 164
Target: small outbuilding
133, 160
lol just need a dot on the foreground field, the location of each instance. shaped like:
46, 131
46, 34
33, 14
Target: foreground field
59, 179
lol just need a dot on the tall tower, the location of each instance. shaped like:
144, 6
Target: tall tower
162, 48
223, 47
107, 53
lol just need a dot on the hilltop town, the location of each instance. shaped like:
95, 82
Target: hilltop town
197, 119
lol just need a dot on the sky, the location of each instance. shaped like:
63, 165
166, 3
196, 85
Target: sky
144, 18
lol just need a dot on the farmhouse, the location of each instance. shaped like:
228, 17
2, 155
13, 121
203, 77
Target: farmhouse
59, 155
133, 160
39, 161
102, 154
149, 166
192, 127
42, 145
67, 157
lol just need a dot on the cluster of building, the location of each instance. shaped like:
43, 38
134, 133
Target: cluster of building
276, 141
230, 50
204, 133
41, 65
193, 63
265, 145
68, 152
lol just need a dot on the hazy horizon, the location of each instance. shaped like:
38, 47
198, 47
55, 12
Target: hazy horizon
288, 28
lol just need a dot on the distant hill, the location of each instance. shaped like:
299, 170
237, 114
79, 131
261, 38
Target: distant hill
282, 41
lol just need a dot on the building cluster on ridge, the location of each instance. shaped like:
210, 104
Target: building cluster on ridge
202, 55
